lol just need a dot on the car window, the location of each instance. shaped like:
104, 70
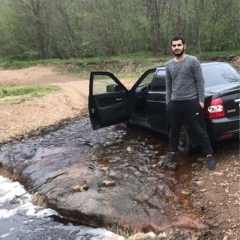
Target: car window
219, 74
148, 79
159, 80
101, 82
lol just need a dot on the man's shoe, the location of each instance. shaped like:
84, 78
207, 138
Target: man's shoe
171, 161
211, 163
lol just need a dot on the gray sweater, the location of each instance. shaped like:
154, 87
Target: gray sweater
184, 80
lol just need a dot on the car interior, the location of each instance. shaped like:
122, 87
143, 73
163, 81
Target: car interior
141, 93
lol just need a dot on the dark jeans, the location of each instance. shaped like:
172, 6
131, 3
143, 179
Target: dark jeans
176, 111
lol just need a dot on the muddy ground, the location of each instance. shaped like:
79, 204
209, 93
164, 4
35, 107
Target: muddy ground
215, 193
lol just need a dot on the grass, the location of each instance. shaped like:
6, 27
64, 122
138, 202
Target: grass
220, 53
129, 65
11, 94
141, 57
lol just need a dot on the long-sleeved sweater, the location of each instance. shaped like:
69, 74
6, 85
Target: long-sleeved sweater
184, 80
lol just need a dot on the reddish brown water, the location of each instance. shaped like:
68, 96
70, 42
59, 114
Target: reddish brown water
129, 155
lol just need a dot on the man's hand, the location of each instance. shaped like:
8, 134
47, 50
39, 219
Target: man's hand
202, 104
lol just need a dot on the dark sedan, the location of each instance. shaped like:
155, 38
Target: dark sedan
144, 104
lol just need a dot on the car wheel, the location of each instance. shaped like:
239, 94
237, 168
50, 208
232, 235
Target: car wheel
185, 145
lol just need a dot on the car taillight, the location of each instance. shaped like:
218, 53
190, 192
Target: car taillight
214, 109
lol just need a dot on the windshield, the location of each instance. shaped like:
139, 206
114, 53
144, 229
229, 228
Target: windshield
220, 74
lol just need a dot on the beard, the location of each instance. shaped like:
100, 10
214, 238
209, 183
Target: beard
178, 54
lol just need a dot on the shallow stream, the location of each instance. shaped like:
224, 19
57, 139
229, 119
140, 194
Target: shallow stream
127, 154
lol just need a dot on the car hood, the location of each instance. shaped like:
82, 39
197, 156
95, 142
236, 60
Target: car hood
222, 88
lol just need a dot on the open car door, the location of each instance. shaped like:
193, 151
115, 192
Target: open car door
108, 101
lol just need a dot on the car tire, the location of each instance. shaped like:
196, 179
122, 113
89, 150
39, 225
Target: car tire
185, 145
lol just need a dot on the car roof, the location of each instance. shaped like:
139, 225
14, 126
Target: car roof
212, 63
202, 64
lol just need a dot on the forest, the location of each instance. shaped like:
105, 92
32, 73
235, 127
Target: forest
64, 29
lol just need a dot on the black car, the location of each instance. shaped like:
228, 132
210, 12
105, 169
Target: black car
144, 104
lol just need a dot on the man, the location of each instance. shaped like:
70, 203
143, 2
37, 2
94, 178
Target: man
185, 97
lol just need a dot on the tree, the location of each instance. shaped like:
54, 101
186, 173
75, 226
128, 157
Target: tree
41, 29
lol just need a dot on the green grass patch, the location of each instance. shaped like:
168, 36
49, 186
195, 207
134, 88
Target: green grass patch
8, 63
12, 94
220, 53
142, 58
121, 65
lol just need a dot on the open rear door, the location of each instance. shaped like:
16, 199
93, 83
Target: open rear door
108, 101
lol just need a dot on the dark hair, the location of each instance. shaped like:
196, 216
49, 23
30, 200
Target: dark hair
176, 38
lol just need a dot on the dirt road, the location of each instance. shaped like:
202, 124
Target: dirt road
20, 119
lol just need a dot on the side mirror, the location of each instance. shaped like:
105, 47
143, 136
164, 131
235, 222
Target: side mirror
112, 88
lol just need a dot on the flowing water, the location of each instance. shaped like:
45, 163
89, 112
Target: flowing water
139, 150
25, 221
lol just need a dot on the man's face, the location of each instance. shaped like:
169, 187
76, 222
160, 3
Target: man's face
178, 48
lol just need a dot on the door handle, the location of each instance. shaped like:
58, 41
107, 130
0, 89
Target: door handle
119, 99
237, 101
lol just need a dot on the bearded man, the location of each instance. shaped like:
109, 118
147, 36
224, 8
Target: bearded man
185, 98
